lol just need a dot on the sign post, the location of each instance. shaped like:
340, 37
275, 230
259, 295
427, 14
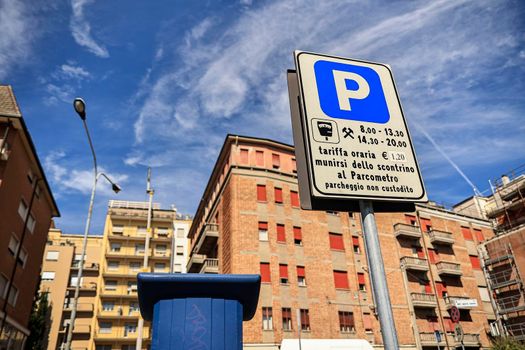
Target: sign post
354, 152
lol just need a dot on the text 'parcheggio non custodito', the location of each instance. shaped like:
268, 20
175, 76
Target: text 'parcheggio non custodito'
356, 168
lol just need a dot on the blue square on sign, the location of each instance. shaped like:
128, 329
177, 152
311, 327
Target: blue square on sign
350, 92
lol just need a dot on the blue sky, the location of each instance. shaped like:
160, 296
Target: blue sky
165, 81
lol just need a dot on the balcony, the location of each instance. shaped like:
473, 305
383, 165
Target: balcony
429, 339
448, 268
503, 278
468, 340
118, 314
510, 303
88, 267
441, 237
516, 331
79, 329
81, 307
412, 263
405, 230
91, 287
208, 239
119, 334
210, 266
423, 300
464, 303
195, 263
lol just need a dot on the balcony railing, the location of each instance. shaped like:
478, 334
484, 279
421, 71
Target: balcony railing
468, 339
413, 263
81, 307
85, 287
79, 329
405, 230
503, 278
516, 331
513, 303
423, 300
87, 266
210, 266
429, 339
208, 239
440, 237
448, 268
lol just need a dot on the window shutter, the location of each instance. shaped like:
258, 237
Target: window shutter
420, 253
265, 272
276, 161
300, 271
261, 193
474, 260
467, 234
341, 280
479, 235
361, 278
428, 287
281, 236
336, 241
244, 156
294, 198
263, 225
355, 241
283, 271
426, 225
367, 321
259, 158
297, 233
278, 195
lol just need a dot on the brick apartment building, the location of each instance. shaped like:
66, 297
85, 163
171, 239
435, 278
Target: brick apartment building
313, 265
503, 256
26, 208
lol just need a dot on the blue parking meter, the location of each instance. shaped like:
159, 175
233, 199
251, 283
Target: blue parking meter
197, 311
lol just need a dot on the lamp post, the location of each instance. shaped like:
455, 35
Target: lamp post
80, 108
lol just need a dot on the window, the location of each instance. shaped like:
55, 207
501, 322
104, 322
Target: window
297, 236
142, 230
278, 195
483, 293
180, 233
177, 268
113, 265
305, 319
13, 245
346, 322
31, 222
426, 225
139, 248
281, 235
441, 288
283, 273
48, 276
22, 257
3, 285
105, 327
244, 156
259, 158
479, 235
74, 281
130, 328
411, 220
115, 247
160, 249
108, 306
265, 273
367, 322
261, 193
294, 166
301, 277
287, 318
13, 295
132, 287
159, 267
355, 244
333, 213
433, 255
361, 281
341, 280
180, 250
467, 234
117, 229
294, 198
133, 307
162, 231
336, 241
134, 266
267, 318
22, 209
52, 256
276, 161
103, 347
474, 261
263, 231
110, 285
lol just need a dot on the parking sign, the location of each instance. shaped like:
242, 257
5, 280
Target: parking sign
355, 138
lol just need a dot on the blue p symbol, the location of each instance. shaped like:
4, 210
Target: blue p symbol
350, 92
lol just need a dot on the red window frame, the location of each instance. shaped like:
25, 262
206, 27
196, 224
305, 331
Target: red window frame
261, 193
336, 241
266, 276
479, 235
294, 199
467, 234
283, 273
341, 280
297, 235
474, 261
281, 233
278, 192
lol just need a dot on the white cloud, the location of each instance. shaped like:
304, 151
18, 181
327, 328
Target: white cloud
77, 180
81, 29
16, 34
74, 72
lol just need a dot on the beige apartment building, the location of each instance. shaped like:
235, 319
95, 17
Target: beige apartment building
314, 271
108, 310
59, 278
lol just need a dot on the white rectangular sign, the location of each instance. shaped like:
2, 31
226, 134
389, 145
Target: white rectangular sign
356, 140
465, 303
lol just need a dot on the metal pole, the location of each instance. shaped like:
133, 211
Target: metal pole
299, 326
150, 192
84, 243
378, 276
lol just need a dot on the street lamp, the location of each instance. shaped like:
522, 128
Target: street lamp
80, 108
